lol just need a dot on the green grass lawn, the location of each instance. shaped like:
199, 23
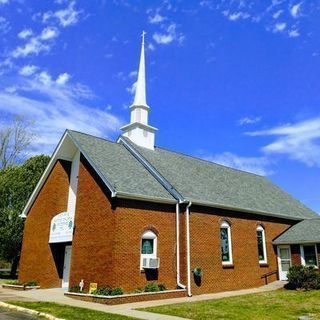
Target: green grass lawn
281, 304
67, 312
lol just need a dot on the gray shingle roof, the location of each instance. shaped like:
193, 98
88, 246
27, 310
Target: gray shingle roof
197, 180
206, 182
119, 167
306, 231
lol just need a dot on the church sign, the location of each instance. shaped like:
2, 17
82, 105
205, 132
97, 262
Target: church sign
61, 228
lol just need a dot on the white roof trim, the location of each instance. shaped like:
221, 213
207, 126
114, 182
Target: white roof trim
44, 176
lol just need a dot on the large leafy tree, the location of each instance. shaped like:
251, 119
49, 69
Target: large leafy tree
16, 186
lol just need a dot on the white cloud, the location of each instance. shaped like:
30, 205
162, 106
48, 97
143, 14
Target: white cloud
34, 46
4, 1
49, 33
132, 89
157, 18
151, 47
133, 74
169, 36
65, 17
4, 25
28, 70
25, 33
295, 10
277, 14
63, 78
257, 165
163, 38
294, 33
236, 15
249, 120
279, 27
56, 108
299, 141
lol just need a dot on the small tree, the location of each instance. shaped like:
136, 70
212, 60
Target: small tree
14, 141
16, 186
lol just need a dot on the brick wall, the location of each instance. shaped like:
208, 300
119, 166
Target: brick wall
94, 230
206, 253
295, 254
38, 260
106, 243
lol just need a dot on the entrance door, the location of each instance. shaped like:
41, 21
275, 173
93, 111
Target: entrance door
284, 261
66, 267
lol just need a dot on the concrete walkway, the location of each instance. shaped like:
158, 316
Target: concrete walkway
56, 295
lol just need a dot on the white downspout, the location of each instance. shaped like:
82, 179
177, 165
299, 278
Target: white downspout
179, 284
188, 250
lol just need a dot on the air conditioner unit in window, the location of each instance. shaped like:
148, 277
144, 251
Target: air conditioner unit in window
150, 263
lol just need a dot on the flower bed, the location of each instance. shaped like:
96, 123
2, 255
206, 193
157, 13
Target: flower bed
20, 287
127, 298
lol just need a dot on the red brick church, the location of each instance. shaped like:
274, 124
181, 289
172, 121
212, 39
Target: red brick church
126, 213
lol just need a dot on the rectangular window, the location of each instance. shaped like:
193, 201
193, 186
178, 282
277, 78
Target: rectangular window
225, 252
147, 246
260, 239
310, 255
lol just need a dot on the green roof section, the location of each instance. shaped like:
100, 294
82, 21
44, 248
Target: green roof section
119, 167
209, 183
306, 231
199, 181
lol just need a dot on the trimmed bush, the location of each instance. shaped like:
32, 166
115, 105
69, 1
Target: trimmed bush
117, 292
162, 287
151, 287
103, 291
303, 277
75, 289
31, 283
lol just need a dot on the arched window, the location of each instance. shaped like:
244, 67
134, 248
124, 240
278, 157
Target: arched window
261, 240
148, 246
226, 245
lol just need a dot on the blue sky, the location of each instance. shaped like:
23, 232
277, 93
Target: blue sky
232, 81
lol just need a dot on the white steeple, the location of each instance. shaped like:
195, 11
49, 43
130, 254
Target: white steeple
138, 130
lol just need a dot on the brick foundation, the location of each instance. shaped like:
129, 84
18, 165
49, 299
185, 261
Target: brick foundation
128, 298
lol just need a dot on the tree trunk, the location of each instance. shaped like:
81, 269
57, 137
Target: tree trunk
14, 267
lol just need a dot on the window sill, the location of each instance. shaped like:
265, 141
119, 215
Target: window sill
228, 266
264, 264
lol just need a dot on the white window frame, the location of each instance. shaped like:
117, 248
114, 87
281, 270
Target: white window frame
265, 260
303, 260
226, 225
149, 234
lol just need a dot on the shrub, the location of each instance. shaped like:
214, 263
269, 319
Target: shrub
103, 291
117, 292
151, 287
31, 283
75, 288
301, 277
16, 282
162, 287
138, 290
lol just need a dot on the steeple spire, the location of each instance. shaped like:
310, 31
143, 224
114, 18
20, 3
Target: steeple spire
140, 96
138, 130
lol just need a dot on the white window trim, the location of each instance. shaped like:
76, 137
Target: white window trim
265, 260
226, 225
148, 235
303, 260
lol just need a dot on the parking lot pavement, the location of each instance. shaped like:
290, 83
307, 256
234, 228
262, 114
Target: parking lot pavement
12, 315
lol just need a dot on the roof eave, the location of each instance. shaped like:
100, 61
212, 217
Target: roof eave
221, 206
280, 243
